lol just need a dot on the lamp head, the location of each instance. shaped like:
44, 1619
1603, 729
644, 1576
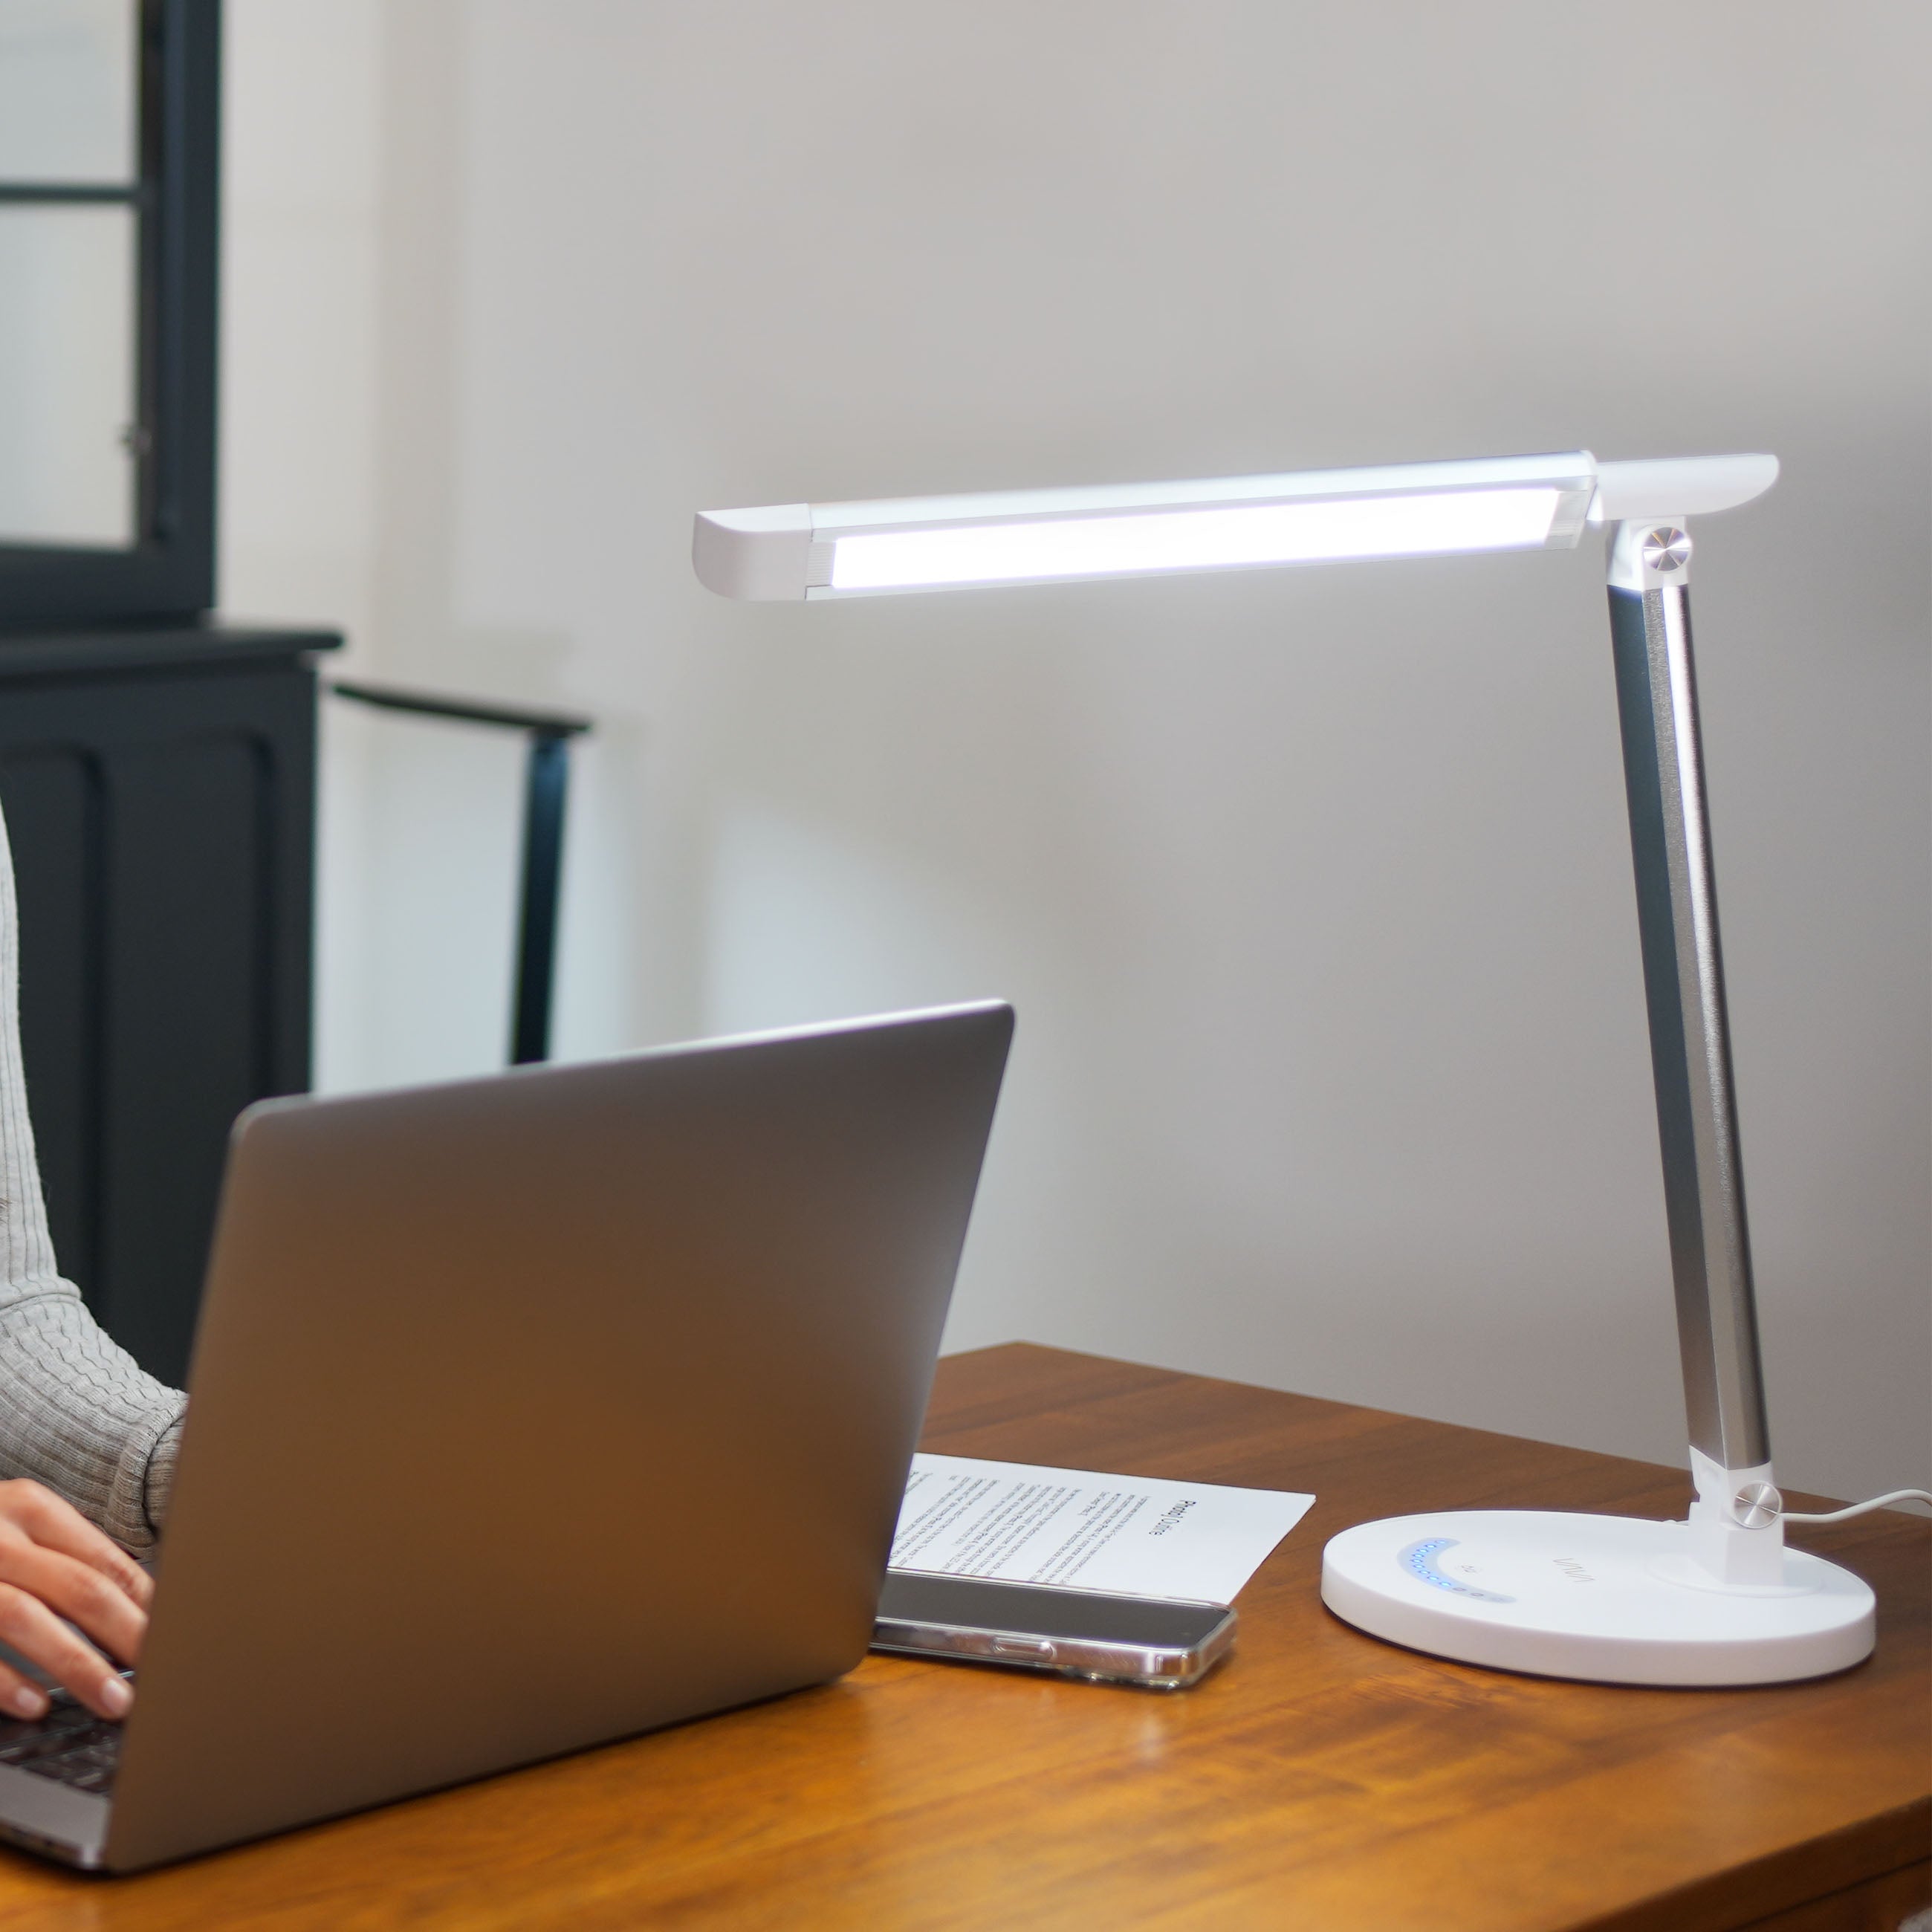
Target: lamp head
790, 552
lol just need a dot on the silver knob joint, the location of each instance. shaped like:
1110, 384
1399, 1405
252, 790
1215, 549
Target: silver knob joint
1650, 555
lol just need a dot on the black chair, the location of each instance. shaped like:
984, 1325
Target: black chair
546, 788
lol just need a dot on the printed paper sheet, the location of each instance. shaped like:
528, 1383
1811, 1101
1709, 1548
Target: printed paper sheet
1021, 1523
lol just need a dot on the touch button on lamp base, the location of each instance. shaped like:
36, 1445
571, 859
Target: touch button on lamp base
1615, 1599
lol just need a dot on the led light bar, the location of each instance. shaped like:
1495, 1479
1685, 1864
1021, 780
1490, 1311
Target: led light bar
785, 552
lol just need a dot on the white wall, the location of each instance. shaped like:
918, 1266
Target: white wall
1312, 888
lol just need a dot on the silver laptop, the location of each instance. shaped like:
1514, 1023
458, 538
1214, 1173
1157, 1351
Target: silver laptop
530, 1412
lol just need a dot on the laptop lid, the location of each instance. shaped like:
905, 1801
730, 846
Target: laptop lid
540, 1410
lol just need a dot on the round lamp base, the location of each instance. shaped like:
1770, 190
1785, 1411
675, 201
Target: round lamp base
1613, 1599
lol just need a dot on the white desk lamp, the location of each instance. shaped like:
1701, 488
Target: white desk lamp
1719, 1599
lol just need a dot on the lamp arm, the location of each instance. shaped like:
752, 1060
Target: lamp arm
1690, 1043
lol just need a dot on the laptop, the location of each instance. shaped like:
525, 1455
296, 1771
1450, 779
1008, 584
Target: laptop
531, 1412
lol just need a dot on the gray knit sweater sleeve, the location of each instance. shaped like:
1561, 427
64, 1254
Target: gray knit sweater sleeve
76, 1412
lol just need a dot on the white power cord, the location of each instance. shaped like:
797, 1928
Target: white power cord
1859, 1509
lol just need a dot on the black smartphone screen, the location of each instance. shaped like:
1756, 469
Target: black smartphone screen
914, 1597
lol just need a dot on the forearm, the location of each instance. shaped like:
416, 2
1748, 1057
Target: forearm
76, 1412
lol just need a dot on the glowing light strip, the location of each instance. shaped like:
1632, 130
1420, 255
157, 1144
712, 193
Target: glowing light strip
1222, 539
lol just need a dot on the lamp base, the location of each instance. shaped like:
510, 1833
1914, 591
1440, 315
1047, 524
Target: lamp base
1616, 1600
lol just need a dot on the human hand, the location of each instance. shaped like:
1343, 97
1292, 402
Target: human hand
54, 1564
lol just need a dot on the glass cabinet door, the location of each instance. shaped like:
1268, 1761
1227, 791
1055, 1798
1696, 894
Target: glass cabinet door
70, 215
109, 127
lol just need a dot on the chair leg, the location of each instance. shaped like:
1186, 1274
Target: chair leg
546, 787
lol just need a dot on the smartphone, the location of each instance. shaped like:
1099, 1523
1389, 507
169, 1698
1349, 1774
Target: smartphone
1165, 1643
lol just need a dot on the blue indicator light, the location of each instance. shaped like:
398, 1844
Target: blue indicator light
1419, 1560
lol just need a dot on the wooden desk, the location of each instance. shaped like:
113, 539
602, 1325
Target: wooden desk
1321, 1779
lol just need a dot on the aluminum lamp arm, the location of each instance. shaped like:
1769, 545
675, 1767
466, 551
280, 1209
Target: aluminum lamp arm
1735, 1515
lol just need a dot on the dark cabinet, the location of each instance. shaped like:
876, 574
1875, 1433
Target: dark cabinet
159, 787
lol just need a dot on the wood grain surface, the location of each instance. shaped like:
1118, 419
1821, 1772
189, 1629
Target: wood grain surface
1321, 1779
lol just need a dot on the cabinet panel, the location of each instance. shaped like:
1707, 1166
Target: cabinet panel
190, 979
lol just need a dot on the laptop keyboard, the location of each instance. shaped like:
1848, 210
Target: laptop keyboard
70, 1745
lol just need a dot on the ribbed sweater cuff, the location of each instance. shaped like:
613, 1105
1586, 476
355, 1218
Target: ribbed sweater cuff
82, 1417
